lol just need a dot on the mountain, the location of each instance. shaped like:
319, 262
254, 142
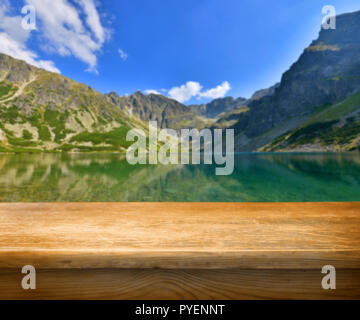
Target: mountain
240, 107
167, 112
263, 93
43, 111
40, 110
218, 107
225, 110
316, 106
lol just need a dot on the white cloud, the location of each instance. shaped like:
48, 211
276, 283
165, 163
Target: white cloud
11, 25
19, 51
123, 54
93, 19
219, 92
194, 89
64, 31
13, 40
186, 91
151, 92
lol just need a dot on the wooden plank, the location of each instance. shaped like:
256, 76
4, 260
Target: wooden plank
180, 235
180, 250
159, 284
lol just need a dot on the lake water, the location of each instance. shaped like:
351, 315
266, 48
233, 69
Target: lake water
108, 177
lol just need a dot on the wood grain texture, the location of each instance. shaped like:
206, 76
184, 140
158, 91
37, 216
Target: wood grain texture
159, 284
180, 235
180, 250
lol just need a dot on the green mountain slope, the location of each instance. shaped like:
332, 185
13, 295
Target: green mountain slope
332, 128
43, 111
328, 72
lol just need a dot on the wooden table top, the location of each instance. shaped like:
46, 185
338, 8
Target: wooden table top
180, 235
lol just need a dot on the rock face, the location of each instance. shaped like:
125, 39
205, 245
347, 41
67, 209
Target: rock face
328, 71
219, 106
225, 108
153, 107
263, 93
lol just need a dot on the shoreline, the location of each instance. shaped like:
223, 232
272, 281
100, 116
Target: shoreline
235, 153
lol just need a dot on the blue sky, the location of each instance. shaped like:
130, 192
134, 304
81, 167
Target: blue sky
190, 50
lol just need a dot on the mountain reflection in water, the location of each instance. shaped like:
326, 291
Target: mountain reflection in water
108, 177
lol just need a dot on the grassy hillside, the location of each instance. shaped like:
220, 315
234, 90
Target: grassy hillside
331, 128
43, 111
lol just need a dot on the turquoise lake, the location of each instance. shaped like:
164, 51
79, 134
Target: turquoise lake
108, 177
